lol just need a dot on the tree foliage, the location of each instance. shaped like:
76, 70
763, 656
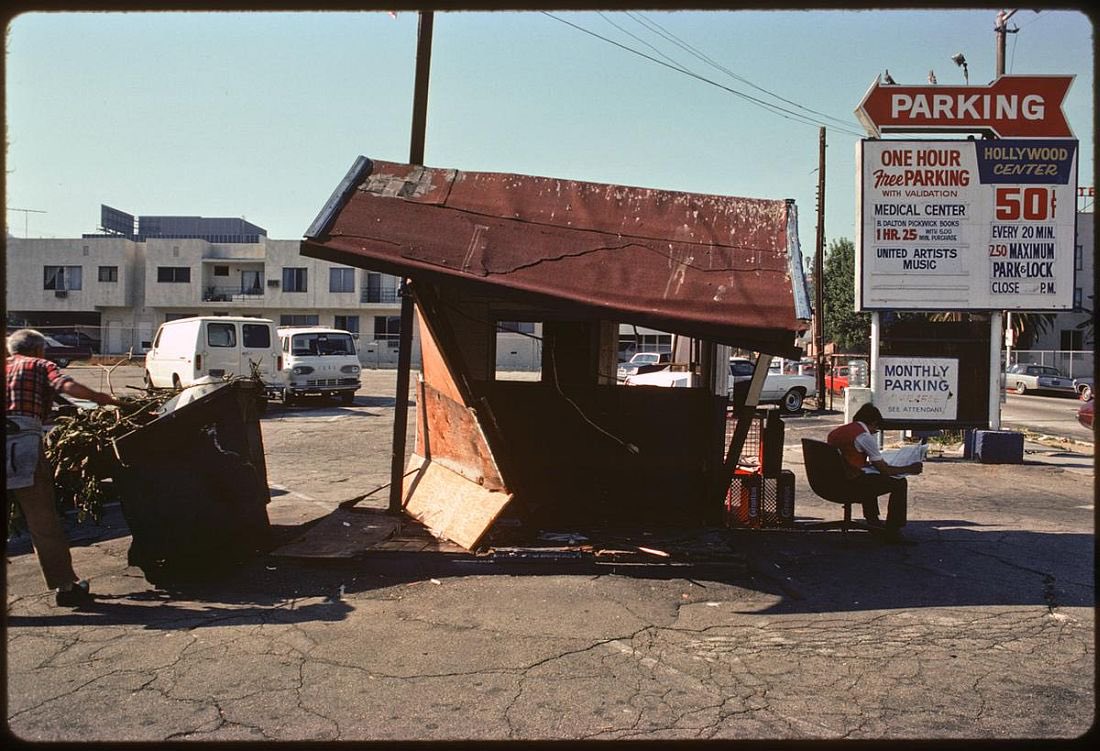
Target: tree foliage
847, 330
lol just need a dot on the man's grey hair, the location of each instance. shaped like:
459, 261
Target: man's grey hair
26, 342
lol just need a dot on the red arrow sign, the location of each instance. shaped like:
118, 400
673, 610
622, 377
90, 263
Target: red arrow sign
1010, 107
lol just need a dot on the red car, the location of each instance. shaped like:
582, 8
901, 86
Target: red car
1084, 414
836, 380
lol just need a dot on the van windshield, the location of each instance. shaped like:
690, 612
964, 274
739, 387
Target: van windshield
322, 344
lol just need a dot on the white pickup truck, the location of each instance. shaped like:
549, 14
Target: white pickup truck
788, 390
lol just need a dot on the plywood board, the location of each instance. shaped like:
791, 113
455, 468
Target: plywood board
342, 534
453, 437
449, 505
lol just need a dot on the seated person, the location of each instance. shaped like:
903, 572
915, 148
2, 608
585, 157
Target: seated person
869, 473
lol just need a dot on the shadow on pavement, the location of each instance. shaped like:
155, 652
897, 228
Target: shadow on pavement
956, 563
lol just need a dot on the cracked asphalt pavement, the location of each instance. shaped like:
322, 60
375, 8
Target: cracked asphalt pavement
984, 630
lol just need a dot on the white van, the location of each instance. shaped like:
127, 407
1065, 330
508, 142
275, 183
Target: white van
318, 360
188, 349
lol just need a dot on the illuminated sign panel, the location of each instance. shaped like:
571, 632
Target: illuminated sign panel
966, 225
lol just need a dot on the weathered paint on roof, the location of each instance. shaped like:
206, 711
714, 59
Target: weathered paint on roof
716, 267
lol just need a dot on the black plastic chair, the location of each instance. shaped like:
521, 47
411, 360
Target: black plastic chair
825, 472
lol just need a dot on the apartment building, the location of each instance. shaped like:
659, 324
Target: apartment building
1066, 333
119, 285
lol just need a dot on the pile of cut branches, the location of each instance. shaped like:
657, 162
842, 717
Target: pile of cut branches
82, 456
80, 452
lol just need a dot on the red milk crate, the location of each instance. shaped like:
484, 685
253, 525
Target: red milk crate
760, 502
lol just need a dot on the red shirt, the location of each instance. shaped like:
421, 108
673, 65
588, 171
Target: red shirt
31, 383
844, 439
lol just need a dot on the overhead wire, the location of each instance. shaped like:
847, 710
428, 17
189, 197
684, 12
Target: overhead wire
668, 35
783, 112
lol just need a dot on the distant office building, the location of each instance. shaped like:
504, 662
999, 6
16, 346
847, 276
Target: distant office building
118, 285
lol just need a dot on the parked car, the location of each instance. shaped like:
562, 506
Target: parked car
1083, 387
76, 339
188, 349
1084, 413
643, 362
63, 354
788, 389
836, 380
318, 360
1025, 377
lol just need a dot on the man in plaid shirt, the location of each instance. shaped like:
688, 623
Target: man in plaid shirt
31, 384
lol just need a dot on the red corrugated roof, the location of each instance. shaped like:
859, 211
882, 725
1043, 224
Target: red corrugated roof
715, 267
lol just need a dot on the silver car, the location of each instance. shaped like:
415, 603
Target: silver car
1025, 377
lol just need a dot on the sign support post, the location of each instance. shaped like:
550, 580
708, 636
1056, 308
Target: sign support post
996, 331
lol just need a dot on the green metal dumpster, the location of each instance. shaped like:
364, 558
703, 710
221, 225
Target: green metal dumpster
193, 485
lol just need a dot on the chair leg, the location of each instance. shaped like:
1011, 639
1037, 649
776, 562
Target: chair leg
843, 525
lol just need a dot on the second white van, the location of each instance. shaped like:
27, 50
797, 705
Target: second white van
319, 360
188, 349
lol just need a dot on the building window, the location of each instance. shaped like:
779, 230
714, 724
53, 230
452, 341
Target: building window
108, 273
388, 329
298, 320
516, 327
1072, 339
373, 291
294, 279
1078, 300
341, 280
221, 271
176, 274
61, 277
86, 250
347, 323
1078, 257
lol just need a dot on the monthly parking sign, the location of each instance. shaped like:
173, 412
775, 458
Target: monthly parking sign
915, 389
983, 224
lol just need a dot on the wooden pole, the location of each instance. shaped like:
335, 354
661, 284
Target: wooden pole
404, 353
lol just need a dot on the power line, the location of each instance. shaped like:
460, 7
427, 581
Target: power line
647, 44
668, 35
775, 109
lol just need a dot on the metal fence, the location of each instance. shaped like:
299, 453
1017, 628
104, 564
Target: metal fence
1073, 363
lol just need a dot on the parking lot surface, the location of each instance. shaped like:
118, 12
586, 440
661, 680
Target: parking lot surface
983, 630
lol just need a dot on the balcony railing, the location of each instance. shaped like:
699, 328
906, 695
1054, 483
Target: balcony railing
383, 295
231, 294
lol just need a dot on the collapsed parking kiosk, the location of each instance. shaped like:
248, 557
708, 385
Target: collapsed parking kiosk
580, 258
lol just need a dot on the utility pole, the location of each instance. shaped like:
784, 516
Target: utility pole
997, 330
26, 213
404, 353
819, 276
1002, 30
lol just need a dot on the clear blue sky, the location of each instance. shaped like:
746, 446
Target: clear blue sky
261, 114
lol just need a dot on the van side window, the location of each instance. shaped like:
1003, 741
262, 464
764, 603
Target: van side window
156, 341
221, 335
286, 344
256, 336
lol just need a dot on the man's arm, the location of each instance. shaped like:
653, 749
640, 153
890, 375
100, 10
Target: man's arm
890, 470
83, 392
